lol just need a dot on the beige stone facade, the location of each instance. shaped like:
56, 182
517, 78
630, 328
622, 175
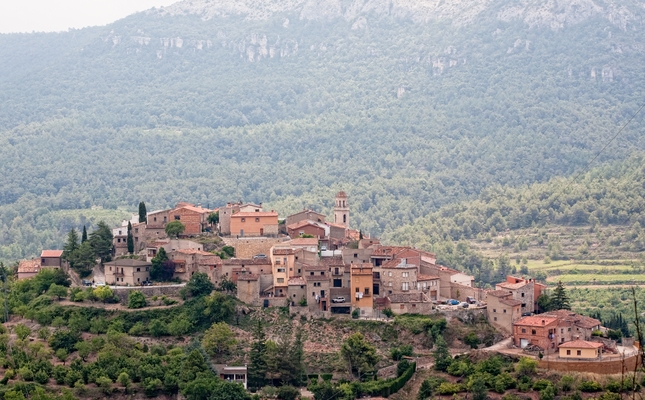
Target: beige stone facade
248, 289
503, 310
305, 215
248, 247
254, 224
127, 272
409, 303
231, 208
580, 349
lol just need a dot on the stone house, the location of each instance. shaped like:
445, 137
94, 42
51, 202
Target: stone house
170, 245
307, 227
248, 289
234, 267
317, 292
580, 349
28, 268
232, 208
361, 288
254, 224
297, 290
429, 285
127, 272
522, 290
283, 263
536, 330
409, 303
189, 261
397, 276
305, 215
194, 218
503, 310
572, 326
357, 256
51, 259
337, 231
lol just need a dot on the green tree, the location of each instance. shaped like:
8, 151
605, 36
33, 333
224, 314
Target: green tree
84, 349
227, 285
258, 366
71, 245
559, 299
57, 291
162, 268
101, 241
219, 340
213, 218
22, 331
103, 293
136, 299
157, 328
477, 387
83, 259
230, 391
84, 235
124, 380
199, 285
360, 355
174, 229
442, 357
62, 354
143, 214
544, 302
130, 239
288, 392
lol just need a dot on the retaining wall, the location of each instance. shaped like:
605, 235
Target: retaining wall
605, 367
149, 291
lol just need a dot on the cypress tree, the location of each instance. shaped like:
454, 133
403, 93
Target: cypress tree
559, 298
258, 366
84, 236
130, 239
143, 214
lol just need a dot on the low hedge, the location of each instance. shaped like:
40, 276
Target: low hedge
385, 388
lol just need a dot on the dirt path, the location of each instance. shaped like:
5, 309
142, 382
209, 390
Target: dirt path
115, 307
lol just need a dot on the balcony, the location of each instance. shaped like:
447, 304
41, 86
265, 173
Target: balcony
337, 272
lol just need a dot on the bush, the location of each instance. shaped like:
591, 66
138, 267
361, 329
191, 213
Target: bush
327, 377
136, 299
41, 377
26, 374
64, 339
388, 312
402, 366
429, 386
288, 393
448, 388
548, 393
503, 382
460, 368
526, 367
472, 340
137, 329
541, 384
589, 386
356, 313
609, 396
566, 383
157, 328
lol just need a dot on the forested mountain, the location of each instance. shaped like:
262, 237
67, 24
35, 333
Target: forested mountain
407, 106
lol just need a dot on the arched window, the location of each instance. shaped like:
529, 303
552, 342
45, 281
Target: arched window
344, 218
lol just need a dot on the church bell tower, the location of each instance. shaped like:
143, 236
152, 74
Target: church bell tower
341, 210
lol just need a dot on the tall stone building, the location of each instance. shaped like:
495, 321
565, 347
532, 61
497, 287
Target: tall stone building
341, 210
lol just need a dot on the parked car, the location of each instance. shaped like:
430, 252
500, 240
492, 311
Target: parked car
338, 299
147, 283
452, 302
464, 304
260, 256
86, 282
97, 284
471, 300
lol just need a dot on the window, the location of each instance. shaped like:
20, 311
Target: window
118, 241
405, 274
568, 352
495, 318
532, 331
147, 268
277, 262
355, 255
561, 330
243, 219
494, 310
322, 272
284, 260
389, 273
367, 291
390, 284
578, 352
569, 330
165, 219
281, 270
523, 330
155, 219
177, 217
138, 269
405, 286
257, 220
522, 294
356, 290
280, 280
504, 311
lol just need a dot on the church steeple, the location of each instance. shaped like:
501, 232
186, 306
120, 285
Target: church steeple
341, 210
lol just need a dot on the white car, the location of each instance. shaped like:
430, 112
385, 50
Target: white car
97, 284
339, 299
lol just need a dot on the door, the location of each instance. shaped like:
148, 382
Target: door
241, 232
324, 306
524, 343
261, 231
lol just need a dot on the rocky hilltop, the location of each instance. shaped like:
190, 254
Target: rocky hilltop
554, 14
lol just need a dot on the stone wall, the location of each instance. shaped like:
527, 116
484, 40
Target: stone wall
248, 247
148, 291
460, 292
605, 367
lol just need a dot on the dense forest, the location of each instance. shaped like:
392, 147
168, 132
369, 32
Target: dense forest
404, 115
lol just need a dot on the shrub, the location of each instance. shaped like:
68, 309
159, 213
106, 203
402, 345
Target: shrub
41, 377
526, 367
447, 388
26, 374
472, 340
105, 384
429, 386
402, 366
64, 339
566, 383
137, 329
136, 299
460, 368
541, 384
388, 312
157, 328
548, 393
609, 396
356, 313
326, 377
503, 382
589, 386
288, 393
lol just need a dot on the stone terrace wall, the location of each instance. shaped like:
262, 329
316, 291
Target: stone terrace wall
148, 291
595, 366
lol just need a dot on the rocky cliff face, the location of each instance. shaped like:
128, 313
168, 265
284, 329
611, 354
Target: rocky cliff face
554, 14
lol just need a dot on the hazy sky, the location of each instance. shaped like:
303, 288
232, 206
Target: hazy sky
60, 15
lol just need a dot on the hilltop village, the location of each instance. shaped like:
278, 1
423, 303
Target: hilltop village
325, 268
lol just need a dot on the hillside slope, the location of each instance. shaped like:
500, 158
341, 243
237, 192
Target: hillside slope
407, 106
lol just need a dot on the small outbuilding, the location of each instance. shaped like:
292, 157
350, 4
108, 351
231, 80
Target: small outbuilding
580, 349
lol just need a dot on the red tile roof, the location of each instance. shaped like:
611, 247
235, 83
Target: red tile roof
396, 263
296, 281
191, 207
51, 253
27, 266
336, 225
536, 320
255, 214
512, 286
247, 277
581, 344
303, 242
341, 194
499, 293
422, 277
283, 252
194, 251
388, 251
304, 222
247, 261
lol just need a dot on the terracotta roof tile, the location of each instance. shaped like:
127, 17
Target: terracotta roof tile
512, 286
297, 281
51, 253
422, 277
499, 293
27, 266
536, 320
303, 242
397, 263
194, 251
247, 261
283, 252
581, 344
255, 214
247, 277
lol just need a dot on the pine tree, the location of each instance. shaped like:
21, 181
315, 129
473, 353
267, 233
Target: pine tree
84, 236
70, 246
442, 357
143, 214
559, 298
130, 239
258, 366
298, 358
101, 241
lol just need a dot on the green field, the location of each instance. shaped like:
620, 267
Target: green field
599, 279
